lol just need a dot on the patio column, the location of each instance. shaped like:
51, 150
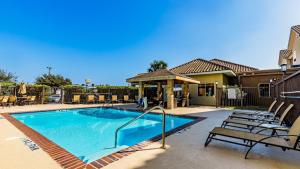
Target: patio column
186, 93
159, 90
170, 94
141, 90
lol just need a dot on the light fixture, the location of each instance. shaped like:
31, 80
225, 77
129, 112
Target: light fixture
283, 65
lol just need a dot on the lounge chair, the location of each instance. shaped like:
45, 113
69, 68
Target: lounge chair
125, 98
114, 98
256, 116
257, 112
101, 99
251, 125
30, 99
12, 100
76, 99
4, 101
90, 99
286, 142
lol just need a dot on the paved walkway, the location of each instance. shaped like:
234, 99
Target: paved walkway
185, 149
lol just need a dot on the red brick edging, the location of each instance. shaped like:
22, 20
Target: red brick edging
69, 161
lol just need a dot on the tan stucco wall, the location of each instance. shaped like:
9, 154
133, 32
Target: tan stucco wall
297, 48
294, 45
210, 78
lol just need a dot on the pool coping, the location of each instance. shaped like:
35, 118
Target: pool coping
70, 161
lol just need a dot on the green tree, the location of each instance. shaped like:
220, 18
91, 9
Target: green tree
7, 76
157, 65
53, 80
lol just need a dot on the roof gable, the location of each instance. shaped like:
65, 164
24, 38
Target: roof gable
285, 53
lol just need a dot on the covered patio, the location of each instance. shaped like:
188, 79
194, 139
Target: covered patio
167, 80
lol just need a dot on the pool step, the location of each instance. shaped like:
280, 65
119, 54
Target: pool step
133, 135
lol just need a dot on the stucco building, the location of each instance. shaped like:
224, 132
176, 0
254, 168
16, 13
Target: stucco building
211, 74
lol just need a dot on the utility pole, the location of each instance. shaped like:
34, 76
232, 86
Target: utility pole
49, 70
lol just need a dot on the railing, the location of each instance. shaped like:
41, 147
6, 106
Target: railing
282, 95
163, 135
293, 92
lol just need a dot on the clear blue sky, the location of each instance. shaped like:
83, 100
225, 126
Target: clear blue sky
109, 41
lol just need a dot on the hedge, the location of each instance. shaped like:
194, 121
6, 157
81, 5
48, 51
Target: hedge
116, 87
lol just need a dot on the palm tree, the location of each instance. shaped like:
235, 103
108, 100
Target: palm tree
157, 65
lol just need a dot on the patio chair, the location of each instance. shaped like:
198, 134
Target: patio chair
12, 100
125, 98
4, 101
101, 99
286, 142
90, 99
261, 124
256, 116
257, 112
114, 98
30, 99
76, 99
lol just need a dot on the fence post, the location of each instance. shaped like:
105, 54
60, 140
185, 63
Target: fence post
242, 96
62, 92
217, 97
43, 94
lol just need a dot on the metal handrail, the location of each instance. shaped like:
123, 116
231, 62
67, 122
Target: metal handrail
292, 92
163, 135
290, 97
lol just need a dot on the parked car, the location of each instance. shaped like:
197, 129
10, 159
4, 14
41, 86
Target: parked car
54, 98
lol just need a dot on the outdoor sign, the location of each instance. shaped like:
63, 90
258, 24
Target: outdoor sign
231, 93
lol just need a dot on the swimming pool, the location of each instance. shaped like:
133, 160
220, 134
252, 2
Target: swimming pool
89, 133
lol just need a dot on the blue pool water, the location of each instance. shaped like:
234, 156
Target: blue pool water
89, 133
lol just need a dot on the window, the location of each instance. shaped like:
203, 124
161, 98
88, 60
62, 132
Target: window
264, 90
206, 89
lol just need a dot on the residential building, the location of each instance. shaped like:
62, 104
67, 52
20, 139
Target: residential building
211, 74
291, 55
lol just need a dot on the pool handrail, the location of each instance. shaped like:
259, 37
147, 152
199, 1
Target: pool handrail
163, 135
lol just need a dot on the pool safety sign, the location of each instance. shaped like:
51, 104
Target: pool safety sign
30, 144
231, 93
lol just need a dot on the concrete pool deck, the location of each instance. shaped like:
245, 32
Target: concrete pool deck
184, 149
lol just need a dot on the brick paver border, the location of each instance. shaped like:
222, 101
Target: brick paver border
69, 161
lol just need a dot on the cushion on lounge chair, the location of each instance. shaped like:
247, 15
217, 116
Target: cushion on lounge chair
242, 122
295, 130
259, 124
255, 112
246, 116
276, 141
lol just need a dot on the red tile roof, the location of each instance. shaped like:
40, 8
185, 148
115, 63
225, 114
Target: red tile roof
285, 53
237, 68
198, 66
163, 74
202, 66
296, 28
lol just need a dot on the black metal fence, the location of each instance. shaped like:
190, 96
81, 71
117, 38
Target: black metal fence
241, 96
